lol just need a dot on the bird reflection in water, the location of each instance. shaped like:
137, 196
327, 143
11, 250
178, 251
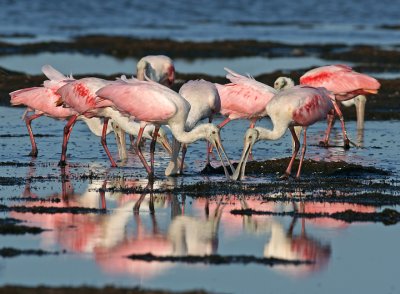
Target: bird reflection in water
138, 224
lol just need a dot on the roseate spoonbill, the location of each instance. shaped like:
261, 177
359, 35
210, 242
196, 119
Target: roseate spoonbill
158, 68
81, 96
204, 103
346, 84
150, 102
42, 101
244, 98
297, 106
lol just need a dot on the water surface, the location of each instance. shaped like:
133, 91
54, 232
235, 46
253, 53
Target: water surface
96, 244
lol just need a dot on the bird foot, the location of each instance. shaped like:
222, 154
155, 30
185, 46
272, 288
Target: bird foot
62, 163
33, 153
346, 145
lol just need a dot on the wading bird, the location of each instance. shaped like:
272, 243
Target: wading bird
297, 106
204, 103
346, 84
243, 98
42, 101
81, 96
152, 103
158, 68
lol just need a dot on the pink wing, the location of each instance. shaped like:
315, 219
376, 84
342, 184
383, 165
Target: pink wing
40, 99
142, 100
244, 97
81, 94
313, 105
341, 80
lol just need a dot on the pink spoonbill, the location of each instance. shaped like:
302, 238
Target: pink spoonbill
204, 103
297, 106
42, 101
81, 96
347, 85
243, 98
153, 103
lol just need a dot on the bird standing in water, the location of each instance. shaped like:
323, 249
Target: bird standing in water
204, 103
152, 103
42, 100
297, 106
346, 85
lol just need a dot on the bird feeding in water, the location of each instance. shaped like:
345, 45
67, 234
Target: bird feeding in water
297, 106
348, 86
151, 103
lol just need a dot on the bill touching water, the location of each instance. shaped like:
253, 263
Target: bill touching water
335, 230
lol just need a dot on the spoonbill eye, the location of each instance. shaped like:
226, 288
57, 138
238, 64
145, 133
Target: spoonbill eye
213, 132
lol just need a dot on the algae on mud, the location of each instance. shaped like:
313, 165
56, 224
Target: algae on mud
387, 216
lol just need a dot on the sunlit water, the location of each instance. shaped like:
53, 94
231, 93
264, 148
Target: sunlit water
310, 21
348, 257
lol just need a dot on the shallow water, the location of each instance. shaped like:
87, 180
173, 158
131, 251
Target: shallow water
291, 21
85, 64
96, 244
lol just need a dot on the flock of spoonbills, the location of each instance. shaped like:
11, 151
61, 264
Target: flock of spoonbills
140, 106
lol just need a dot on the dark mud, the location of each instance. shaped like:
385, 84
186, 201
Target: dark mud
9, 226
122, 47
310, 167
51, 210
366, 58
217, 259
13, 252
387, 216
86, 290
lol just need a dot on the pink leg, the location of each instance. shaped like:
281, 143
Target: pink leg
67, 132
222, 124
153, 148
28, 121
104, 142
303, 151
184, 149
296, 149
331, 118
339, 113
139, 153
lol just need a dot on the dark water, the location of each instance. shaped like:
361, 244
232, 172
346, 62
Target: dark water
289, 21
